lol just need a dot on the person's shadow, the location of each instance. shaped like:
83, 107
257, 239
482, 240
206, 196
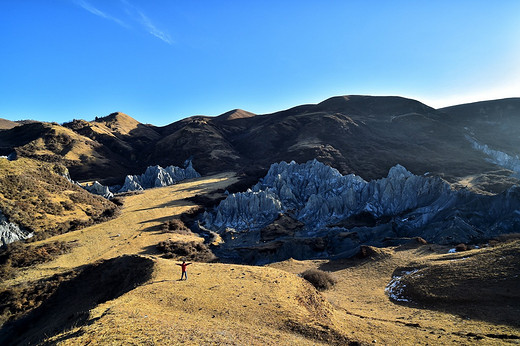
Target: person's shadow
156, 282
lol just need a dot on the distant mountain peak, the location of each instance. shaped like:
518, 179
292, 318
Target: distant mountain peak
115, 117
119, 122
7, 124
236, 114
375, 105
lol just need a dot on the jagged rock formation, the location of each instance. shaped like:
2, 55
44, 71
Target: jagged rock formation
99, 189
343, 212
156, 176
319, 195
11, 232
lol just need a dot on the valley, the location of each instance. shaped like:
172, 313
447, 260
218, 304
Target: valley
410, 213
235, 304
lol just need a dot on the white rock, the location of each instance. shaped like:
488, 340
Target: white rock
99, 189
11, 232
156, 176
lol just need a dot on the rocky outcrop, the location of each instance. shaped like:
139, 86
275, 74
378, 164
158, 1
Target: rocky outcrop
319, 195
498, 157
156, 176
346, 211
99, 189
10, 232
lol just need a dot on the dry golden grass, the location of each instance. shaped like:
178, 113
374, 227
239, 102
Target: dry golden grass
137, 230
62, 143
35, 196
237, 304
218, 304
7, 124
360, 293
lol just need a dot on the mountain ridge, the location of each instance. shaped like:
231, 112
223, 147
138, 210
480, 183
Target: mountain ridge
360, 134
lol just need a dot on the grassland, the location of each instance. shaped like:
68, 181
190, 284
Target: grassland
36, 196
236, 304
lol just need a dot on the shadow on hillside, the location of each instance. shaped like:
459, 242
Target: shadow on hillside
480, 285
367, 255
157, 227
69, 306
175, 203
334, 266
150, 250
204, 188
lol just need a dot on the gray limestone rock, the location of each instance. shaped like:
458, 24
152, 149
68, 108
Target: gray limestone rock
330, 205
498, 157
99, 189
156, 176
132, 183
11, 232
320, 195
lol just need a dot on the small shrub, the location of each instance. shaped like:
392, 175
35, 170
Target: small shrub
191, 215
17, 255
119, 201
175, 226
420, 240
504, 238
319, 279
17, 300
461, 247
190, 251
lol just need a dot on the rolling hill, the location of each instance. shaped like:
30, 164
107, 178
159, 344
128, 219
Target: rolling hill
365, 135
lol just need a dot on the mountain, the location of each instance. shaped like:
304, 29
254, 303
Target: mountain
7, 124
495, 123
473, 145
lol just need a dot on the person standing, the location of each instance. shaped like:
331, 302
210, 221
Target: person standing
184, 274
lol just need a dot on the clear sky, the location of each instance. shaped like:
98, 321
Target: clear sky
163, 60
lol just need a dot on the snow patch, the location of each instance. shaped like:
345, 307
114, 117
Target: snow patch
395, 288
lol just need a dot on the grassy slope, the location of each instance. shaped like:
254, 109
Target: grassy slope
34, 195
360, 293
234, 304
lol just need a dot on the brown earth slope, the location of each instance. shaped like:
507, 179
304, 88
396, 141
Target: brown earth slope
7, 124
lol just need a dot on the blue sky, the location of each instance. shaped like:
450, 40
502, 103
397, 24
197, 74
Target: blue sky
160, 61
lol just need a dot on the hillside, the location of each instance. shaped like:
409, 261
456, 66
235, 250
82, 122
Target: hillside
114, 287
365, 135
490, 122
36, 196
7, 124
